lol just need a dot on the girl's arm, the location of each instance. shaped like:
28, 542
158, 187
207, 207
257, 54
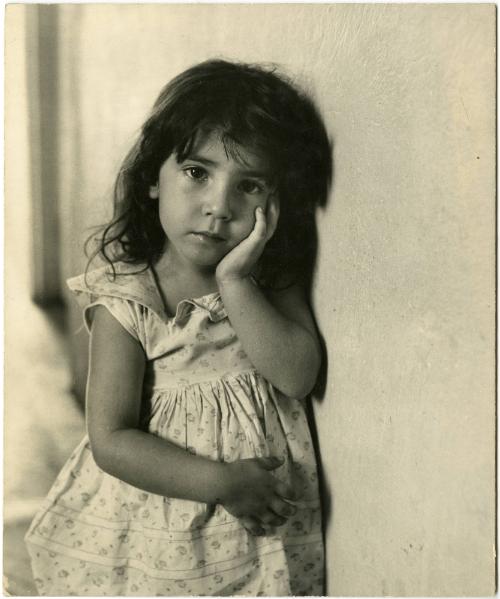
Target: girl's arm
277, 331
114, 391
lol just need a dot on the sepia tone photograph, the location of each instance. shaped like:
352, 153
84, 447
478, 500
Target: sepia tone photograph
250, 300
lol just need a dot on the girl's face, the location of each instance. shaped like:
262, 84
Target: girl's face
207, 202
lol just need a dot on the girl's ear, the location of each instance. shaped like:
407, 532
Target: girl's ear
154, 192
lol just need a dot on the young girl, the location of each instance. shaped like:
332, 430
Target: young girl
198, 474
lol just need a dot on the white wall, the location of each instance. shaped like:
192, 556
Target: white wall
405, 281
405, 300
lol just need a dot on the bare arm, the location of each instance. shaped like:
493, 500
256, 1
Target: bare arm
246, 488
114, 393
277, 332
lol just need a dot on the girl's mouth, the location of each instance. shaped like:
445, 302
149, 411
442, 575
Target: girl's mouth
208, 236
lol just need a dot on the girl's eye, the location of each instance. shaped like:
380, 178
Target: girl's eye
196, 172
252, 187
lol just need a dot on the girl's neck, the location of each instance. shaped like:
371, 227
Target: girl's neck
182, 280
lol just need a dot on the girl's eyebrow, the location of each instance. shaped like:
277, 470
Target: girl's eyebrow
201, 159
248, 173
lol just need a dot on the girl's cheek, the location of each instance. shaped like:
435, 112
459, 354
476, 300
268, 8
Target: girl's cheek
247, 226
263, 202
246, 213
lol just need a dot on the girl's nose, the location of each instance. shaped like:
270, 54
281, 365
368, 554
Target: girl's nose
217, 203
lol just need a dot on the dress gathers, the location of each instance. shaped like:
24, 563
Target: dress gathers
97, 535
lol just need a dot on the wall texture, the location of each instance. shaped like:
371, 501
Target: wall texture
405, 300
404, 292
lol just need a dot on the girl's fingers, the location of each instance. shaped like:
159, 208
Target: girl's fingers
282, 508
271, 519
243, 257
285, 491
273, 212
259, 229
253, 526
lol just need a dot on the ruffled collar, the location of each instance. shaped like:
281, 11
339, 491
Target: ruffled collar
211, 303
137, 283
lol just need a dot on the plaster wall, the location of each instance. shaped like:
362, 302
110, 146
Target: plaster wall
404, 292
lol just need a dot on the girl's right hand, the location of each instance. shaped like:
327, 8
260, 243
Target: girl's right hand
256, 497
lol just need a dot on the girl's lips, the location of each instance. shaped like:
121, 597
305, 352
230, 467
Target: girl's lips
208, 236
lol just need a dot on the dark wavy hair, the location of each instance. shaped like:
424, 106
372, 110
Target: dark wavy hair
249, 106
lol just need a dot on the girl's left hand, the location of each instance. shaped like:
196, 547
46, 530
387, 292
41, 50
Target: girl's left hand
241, 260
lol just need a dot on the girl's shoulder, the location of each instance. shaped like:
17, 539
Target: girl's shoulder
130, 282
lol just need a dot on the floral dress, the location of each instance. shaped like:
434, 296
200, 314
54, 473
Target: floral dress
97, 535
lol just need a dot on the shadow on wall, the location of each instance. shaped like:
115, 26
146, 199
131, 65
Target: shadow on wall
318, 392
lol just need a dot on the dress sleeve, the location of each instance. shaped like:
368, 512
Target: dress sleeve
127, 312
127, 297
124, 311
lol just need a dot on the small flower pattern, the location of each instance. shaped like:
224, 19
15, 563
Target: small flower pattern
97, 535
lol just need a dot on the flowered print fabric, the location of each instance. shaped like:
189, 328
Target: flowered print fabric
97, 535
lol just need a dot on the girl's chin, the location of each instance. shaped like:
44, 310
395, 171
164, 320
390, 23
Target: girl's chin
205, 260
199, 253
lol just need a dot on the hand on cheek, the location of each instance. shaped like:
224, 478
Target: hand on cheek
273, 213
241, 260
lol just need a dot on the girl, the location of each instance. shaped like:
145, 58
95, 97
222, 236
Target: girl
198, 474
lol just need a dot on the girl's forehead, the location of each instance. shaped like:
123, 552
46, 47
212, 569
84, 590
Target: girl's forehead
216, 146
